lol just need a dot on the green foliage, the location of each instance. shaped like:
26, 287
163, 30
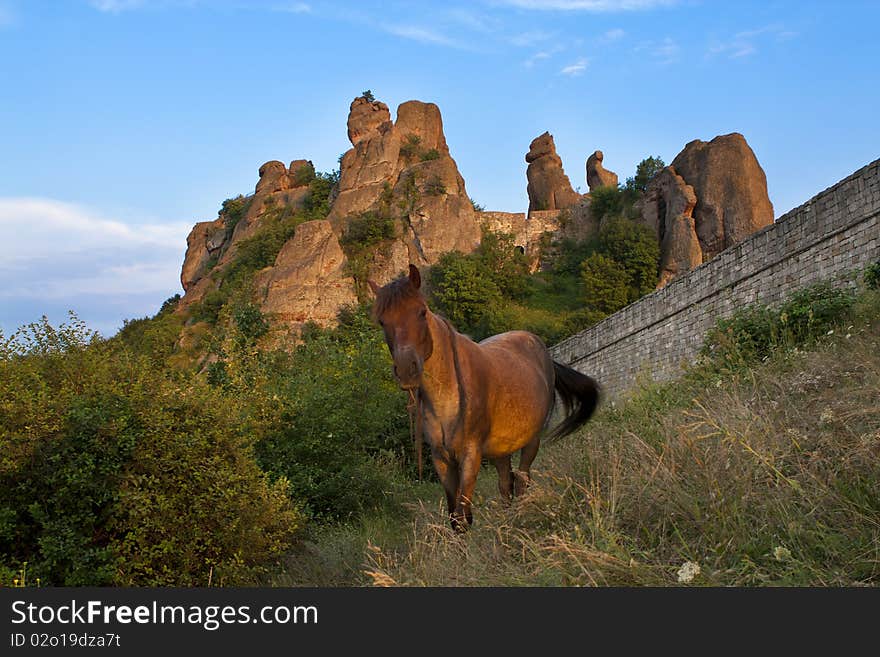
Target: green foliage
463, 291
317, 203
368, 95
430, 154
477, 207
337, 419
606, 284
434, 186
607, 202
635, 248
113, 473
233, 210
411, 147
367, 229
503, 263
755, 331
645, 171
872, 276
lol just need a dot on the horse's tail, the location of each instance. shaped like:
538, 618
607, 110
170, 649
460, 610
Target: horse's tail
580, 396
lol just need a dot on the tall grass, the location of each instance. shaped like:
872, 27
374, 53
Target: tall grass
741, 473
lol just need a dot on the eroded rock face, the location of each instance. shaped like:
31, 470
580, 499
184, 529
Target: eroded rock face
273, 178
667, 208
712, 196
597, 175
204, 241
308, 281
548, 186
404, 169
731, 190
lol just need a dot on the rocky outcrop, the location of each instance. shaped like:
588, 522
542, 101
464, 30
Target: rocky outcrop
202, 248
731, 190
308, 281
548, 186
404, 169
712, 196
597, 175
667, 208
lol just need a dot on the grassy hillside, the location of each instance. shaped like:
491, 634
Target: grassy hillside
754, 468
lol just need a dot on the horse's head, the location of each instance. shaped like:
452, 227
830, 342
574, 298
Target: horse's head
402, 313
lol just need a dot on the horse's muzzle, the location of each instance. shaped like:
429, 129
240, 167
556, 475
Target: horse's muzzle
408, 369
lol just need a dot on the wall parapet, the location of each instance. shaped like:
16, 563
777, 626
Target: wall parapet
829, 237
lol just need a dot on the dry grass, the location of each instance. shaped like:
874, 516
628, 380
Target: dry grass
767, 475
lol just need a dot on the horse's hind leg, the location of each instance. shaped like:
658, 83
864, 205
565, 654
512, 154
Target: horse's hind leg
505, 477
526, 456
447, 472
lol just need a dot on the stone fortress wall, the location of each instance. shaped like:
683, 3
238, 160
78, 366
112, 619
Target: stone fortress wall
831, 236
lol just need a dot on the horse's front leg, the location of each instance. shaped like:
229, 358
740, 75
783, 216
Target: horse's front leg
469, 466
447, 472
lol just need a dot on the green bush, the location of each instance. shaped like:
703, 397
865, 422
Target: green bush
872, 276
233, 210
114, 473
635, 248
606, 284
411, 147
434, 186
645, 171
338, 421
431, 154
367, 229
753, 332
463, 291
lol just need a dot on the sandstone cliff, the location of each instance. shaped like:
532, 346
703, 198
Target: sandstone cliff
399, 172
548, 186
712, 196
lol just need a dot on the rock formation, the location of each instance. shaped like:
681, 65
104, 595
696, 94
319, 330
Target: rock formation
711, 197
400, 170
731, 189
404, 168
597, 175
308, 281
548, 186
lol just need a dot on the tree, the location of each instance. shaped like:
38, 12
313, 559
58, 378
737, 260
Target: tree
634, 248
462, 290
368, 95
606, 284
645, 171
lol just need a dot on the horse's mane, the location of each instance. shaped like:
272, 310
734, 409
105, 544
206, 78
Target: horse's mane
396, 291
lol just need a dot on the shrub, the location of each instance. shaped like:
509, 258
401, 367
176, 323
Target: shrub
434, 186
607, 202
115, 474
477, 206
503, 263
431, 154
606, 284
338, 411
872, 276
462, 290
233, 210
368, 95
756, 330
635, 248
411, 147
367, 229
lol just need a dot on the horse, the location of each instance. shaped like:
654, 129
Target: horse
476, 400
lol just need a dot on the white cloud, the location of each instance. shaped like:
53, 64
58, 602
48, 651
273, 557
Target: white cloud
423, 35
747, 42
664, 52
613, 35
597, 6
578, 68
56, 250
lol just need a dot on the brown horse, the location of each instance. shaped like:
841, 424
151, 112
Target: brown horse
476, 401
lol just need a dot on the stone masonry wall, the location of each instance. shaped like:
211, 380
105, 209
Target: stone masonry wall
831, 236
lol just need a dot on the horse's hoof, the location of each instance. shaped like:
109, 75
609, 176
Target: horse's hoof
521, 481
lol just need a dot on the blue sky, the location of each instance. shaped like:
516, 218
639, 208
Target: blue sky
123, 122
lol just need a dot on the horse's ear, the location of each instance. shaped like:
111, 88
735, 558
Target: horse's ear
373, 286
415, 278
